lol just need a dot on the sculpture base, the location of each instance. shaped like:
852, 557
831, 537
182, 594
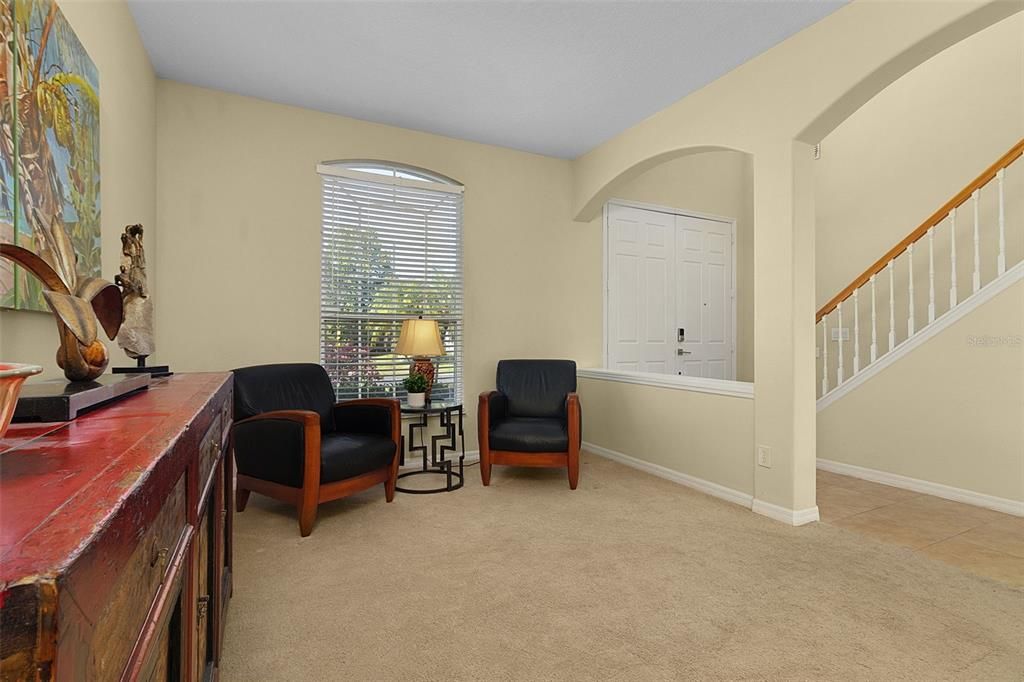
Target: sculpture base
154, 371
61, 401
141, 368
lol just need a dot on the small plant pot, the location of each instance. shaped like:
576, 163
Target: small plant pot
417, 399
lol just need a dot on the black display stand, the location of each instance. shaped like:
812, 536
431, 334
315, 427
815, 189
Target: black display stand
61, 400
142, 368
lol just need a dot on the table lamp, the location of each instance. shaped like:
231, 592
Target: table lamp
421, 339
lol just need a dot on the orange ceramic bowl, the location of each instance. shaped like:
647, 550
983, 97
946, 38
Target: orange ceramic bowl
11, 378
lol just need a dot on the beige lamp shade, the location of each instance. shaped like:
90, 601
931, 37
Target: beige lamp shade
420, 338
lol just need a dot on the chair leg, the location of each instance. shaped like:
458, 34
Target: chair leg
241, 499
307, 517
389, 485
574, 469
485, 467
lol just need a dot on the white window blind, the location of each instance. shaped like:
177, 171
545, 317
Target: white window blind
391, 249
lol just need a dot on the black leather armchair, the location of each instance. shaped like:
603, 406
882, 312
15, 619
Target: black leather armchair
533, 419
294, 443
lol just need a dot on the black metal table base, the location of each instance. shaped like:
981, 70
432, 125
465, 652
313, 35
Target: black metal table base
456, 476
438, 464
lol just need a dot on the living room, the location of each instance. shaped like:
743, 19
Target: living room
702, 536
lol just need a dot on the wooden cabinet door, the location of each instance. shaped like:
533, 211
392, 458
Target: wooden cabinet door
202, 591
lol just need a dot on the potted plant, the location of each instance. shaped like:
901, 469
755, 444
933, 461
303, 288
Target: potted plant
416, 387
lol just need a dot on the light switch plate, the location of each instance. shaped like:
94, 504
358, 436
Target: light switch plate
764, 456
843, 332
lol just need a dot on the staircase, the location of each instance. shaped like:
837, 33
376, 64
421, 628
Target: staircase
961, 256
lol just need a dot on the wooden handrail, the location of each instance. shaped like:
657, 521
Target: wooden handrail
933, 220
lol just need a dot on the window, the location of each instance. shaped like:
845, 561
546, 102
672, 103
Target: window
391, 249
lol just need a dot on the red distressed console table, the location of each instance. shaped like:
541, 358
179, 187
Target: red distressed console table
115, 539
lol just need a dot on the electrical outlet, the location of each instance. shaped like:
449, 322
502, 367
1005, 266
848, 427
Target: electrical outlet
764, 456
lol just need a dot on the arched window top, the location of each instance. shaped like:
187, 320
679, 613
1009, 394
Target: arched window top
389, 173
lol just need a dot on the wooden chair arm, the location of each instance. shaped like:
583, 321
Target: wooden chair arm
483, 419
572, 416
372, 402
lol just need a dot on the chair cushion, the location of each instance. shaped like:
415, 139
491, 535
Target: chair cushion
530, 434
536, 388
345, 455
295, 386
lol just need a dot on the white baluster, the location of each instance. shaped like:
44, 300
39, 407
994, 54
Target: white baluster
976, 280
892, 306
856, 332
824, 355
839, 352
931, 274
952, 261
1001, 260
874, 323
910, 300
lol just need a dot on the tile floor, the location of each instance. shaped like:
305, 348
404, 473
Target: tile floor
978, 540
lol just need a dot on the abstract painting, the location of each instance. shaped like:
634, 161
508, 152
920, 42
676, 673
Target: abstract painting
49, 144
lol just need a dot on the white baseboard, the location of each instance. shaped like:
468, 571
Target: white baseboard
792, 517
713, 489
1000, 504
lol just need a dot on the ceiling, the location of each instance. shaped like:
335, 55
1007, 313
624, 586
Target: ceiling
551, 77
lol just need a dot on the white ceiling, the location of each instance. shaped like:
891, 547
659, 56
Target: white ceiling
552, 77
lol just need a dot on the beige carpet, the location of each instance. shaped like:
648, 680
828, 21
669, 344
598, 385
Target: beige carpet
628, 578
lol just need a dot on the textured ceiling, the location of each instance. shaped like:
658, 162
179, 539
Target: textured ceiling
556, 78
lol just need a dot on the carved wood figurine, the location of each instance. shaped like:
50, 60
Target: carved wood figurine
136, 335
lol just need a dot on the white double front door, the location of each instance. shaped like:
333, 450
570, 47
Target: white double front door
670, 293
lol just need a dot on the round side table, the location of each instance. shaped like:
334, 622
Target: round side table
450, 415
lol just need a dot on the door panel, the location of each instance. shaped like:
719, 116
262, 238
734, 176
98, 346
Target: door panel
656, 288
715, 314
627, 271
704, 298
668, 272
640, 290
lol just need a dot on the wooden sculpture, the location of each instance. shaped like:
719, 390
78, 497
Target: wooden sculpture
136, 335
77, 302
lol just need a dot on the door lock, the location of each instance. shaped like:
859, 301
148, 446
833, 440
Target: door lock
680, 335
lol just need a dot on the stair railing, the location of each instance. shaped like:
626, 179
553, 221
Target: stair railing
905, 296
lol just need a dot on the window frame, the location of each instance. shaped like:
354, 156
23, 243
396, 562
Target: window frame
386, 173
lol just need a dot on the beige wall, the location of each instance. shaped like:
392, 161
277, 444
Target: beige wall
697, 434
719, 183
239, 245
910, 149
949, 412
775, 107
127, 166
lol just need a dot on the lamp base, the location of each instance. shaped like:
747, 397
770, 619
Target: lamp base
425, 366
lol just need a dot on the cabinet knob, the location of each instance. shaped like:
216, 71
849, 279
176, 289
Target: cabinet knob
159, 557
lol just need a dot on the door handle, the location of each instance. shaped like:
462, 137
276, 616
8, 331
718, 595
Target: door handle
680, 351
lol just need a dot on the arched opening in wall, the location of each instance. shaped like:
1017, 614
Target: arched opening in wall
678, 264
919, 236
887, 185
